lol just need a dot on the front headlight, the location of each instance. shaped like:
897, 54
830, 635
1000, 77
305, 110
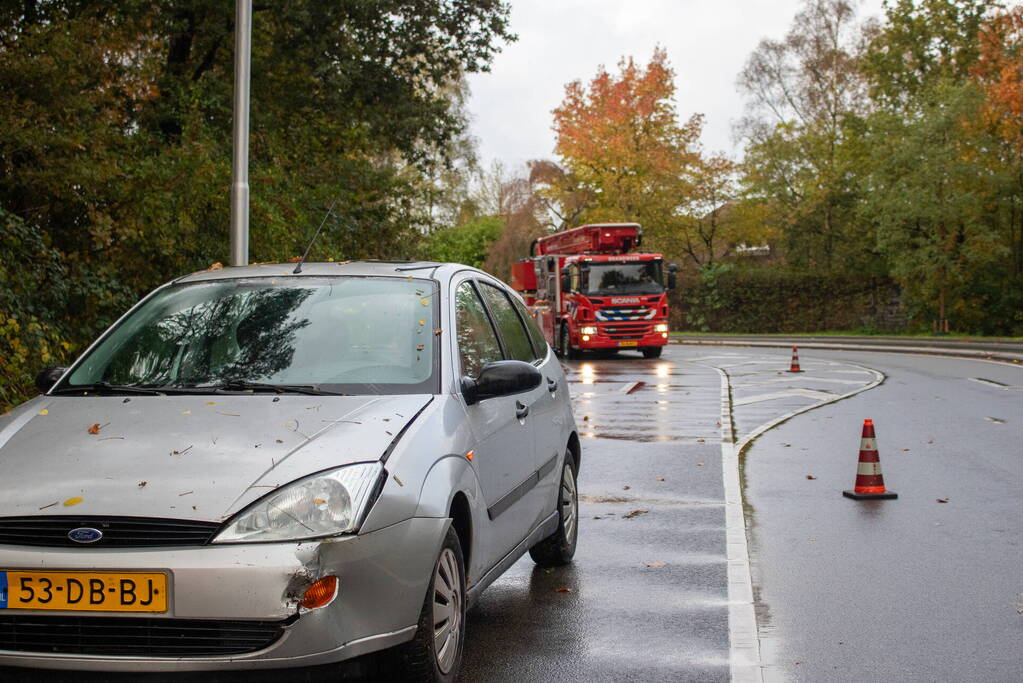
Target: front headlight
589, 330
324, 504
661, 327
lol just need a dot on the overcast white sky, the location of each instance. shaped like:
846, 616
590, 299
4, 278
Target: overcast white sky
708, 42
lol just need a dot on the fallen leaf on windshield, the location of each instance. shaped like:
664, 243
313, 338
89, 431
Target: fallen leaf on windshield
701, 441
942, 500
185, 493
211, 403
94, 429
586, 418
699, 464
186, 412
70, 502
182, 451
810, 476
142, 484
420, 347
626, 487
437, 331
655, 564
424, 301
228, 414
278, 440
634, 513
660, 478
422, 322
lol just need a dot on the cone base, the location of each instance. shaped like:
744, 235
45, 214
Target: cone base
796, 371
869, 496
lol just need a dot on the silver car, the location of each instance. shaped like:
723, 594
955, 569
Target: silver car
255, 468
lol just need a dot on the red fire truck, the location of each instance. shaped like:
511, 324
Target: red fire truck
587, 291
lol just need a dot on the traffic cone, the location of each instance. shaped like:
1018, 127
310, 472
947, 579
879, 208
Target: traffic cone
794, 366
869, 480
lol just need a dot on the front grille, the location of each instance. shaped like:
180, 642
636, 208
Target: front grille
144, 637
123, 532
616, 313
628, 330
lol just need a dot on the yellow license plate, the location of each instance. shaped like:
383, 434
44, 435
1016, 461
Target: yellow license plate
628, 343
84, 591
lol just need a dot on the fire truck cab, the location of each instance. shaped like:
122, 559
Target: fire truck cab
587, 291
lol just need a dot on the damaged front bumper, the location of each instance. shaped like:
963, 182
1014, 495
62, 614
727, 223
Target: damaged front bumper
383, 579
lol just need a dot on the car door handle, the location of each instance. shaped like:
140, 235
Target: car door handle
552, 385
521, 410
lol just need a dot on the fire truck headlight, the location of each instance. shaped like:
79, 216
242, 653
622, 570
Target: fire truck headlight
589, 330
661, 327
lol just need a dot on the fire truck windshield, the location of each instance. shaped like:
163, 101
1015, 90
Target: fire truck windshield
607, 279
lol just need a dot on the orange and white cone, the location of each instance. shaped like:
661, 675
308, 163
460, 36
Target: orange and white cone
794, 366
869, 480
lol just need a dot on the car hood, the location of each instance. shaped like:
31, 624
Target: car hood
185, 457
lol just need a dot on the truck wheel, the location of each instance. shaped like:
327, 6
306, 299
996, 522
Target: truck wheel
564, 341
652, 351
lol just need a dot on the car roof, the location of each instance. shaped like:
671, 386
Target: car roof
416, 269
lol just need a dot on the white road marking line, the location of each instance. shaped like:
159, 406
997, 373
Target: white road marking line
743, 637
788, 393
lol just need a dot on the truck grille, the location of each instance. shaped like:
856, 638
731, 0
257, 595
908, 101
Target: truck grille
142, 637
123, 532
625, 313
623, 331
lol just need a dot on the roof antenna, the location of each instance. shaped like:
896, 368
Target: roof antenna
330, 210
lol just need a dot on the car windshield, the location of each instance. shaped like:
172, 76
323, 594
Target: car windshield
353, 335
638, 277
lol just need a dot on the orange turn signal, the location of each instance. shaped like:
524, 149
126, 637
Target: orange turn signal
321, 593
469, 455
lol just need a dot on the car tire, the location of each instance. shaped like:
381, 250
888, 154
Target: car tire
421, 660
559, 548
652, 351
565, 343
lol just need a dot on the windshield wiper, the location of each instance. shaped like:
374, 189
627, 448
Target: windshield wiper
233, 385
107, 387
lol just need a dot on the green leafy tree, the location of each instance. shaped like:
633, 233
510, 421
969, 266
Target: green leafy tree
467, 243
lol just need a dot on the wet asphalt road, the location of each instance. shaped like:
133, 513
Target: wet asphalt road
903, 590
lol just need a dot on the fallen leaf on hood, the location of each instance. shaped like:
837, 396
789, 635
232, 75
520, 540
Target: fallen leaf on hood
142, 484
182, 451
655, 564
942, 500
278, 440
211, 403
185, 493
50, 505
699, 464
903, 449
186, 412
228, 414
94, 429
660, 478
810, 476
701, 441
626, 487
586, 418
634, 513
70, 502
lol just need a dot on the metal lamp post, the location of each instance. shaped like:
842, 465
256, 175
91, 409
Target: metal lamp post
240, 157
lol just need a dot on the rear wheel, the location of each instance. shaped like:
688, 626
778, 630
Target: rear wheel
435, 654
559, 548
652, 351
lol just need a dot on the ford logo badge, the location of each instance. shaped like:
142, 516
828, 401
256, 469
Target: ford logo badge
85, 535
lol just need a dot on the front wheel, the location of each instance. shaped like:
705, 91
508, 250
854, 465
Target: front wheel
565, 342
435, 654
652, 351
559, 548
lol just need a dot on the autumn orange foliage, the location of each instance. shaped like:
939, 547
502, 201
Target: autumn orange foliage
999, 70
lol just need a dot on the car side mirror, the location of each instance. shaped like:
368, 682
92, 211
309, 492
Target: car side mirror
48, 377
500, 378
672, 276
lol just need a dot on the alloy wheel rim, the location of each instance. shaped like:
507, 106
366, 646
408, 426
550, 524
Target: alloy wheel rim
569, 504
447, 610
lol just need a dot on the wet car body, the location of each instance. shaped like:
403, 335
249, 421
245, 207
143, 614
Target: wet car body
150, 469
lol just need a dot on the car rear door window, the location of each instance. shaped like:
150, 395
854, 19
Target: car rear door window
516, 341
477, 341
